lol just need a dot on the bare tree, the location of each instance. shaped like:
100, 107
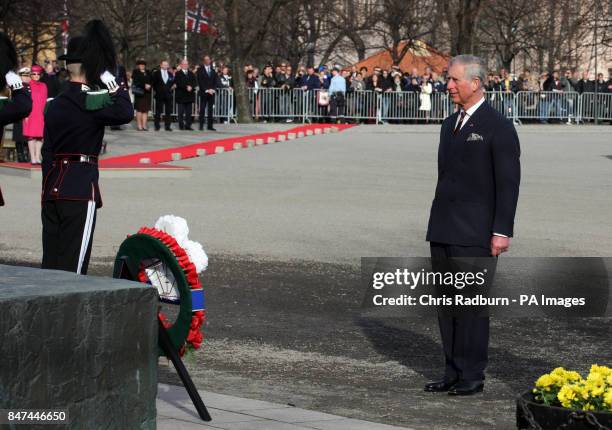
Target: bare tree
299, 30
244, 32
462, 18
508, 28
32, 25
399, 24
350, 24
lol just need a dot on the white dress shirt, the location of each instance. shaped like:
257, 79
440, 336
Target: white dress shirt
469, 113
164, 74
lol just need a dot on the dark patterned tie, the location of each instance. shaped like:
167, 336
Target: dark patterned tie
461, 118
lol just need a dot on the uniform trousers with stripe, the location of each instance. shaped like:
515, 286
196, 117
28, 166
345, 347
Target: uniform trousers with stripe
68, 227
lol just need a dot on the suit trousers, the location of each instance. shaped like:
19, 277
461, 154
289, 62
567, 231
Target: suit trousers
465, 339
337, 105
184, 115
163, 104
68, 227
207, 103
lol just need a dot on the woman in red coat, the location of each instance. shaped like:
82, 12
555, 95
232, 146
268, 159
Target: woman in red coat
34, 124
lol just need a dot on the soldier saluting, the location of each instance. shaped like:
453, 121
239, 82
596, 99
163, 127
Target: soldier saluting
20, 104
74, 129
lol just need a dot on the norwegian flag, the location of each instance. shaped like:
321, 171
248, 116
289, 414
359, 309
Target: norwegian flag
198, 18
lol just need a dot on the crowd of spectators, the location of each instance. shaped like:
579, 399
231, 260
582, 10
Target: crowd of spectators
350, 91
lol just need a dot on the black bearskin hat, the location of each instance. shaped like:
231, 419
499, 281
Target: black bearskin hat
97, 51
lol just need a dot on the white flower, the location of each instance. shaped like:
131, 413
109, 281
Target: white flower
175, 226
196, 254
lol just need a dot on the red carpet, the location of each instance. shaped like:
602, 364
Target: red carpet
156, 158
189, 151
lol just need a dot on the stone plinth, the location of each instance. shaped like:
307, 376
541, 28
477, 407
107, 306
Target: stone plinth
83, 343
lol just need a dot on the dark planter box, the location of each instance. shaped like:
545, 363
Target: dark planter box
553, 417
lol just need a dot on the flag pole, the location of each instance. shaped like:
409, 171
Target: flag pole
185, 35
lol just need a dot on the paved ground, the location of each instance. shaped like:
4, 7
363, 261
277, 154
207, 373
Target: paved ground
175, 411
285, 226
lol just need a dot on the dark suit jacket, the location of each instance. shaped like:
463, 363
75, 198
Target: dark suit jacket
478, 180
182, 80
550, 84
206, 81
312, 82
162, 90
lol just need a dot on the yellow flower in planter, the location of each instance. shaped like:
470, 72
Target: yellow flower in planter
566, 396
566, 388
595, 377
573, 376
608, 398
602, 370
545, 381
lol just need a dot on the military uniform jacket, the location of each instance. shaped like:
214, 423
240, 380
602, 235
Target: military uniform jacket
72, 130
478, 180
12, 111
15, 109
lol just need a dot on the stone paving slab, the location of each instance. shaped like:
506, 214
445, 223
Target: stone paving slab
175, 411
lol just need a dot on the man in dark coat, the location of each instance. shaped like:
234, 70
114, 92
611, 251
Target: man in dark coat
310, 81
186, 83
163, 87
52, 81
74, 131
472, 214
208, 82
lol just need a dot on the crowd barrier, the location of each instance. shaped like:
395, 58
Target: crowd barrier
600, 103
275, 104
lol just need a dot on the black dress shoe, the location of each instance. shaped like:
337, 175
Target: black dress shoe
189, 128
466, 388
439, 386
168, 129
211, 129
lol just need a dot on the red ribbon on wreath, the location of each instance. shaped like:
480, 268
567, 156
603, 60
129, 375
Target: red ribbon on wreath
194, 336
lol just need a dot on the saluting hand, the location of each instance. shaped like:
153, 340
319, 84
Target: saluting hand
499, 244
13, 80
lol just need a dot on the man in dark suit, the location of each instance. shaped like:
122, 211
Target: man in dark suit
186, 83
163, 85
208, 82
472, 214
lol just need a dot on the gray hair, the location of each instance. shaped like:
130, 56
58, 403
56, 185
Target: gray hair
475, 67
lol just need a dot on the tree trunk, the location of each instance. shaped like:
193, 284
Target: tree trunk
238, 62
242, 92
331, 48
465, 24
359, 45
